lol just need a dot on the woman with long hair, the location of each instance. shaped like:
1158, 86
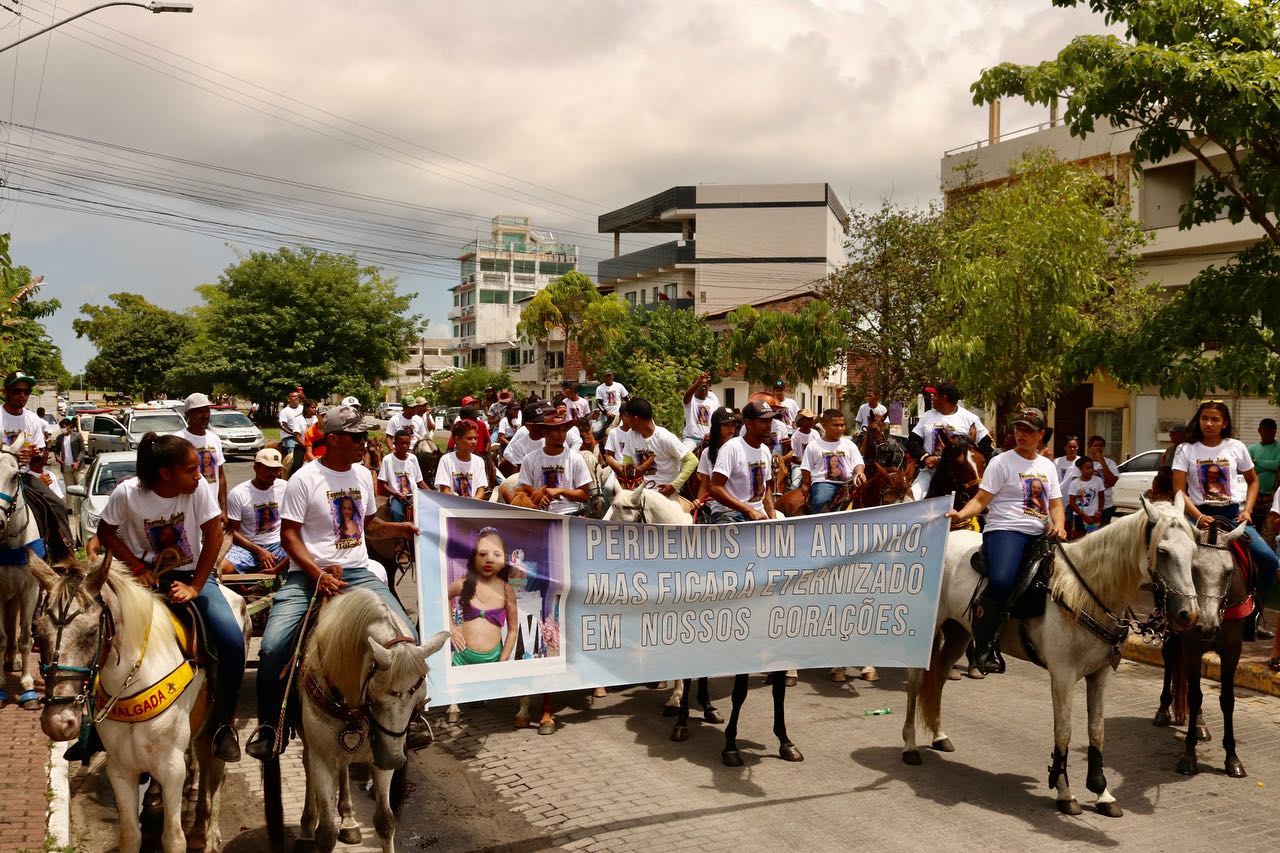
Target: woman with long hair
725, 423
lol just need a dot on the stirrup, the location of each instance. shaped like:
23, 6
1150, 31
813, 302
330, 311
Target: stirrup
261, 744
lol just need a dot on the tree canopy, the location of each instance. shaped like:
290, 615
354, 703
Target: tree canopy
1035, 270
136, 342
797, 347
562, 306
24, 342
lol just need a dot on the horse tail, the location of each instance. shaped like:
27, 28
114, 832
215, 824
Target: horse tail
272, 803
399, 788
929, 703
1178, 683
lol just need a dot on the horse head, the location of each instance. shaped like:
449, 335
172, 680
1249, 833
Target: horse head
394, 688
1217, 582
1171, 550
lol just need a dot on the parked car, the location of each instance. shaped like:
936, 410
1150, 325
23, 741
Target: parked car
386, 411
110, 433
80, 406
107, 471
1135, 476
237, 432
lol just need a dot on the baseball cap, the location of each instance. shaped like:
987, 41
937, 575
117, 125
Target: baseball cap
270, 457
1032, 417
419, 401
467, 400
344, 419
197, 401
805, 413
759, 409
17, 376
536, 413
350, 401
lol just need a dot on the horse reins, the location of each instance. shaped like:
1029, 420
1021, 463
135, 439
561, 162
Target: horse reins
352, 736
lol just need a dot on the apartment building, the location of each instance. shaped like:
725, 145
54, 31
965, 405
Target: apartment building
425, 357
1131, 420
495, 276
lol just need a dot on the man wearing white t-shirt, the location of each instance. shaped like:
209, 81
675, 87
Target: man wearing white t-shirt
403, 419
936, 426
208, 446
699, 404
554, 477
253, 518
740, 479
577, 405
20, 424
873, 405
610, 394
661, 458
327, 511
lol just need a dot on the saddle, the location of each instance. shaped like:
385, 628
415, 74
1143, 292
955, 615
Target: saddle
189, 628
1244, 563
1031, 590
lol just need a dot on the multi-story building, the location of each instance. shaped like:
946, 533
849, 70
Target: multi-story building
497, 274
1130, 420
425, 357
743, 244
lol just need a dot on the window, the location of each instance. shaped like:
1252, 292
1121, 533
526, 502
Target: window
457, 330
517, 295
511, 358
468, 268
526, 267
477, 355
670, 290
555, 360
456, 298
556, 268
493, 297
655, 295
1110, 424
528, 356
456, 362
495, 265
631, 299
728, 397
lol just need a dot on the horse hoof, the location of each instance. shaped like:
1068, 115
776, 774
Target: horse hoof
350, 835
944, 744
1110, 810
680, 734
912, 757
976, 673
599, 693
1161, 719
522, 722
1071, 807
1235, 769
953, 675
791, 681
1202, 734
790, 752
546, 728
453, 717
31, 705
670, 710
1187, 765
711, 715
731, 758
838, 675
869, 674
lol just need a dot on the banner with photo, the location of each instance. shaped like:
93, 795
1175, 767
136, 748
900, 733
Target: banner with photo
537, 602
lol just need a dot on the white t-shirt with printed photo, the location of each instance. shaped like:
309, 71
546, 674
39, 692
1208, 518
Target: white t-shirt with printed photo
578, 408
666, 450
864, 413
1211, 471
933, 423
208, 453
616, 443
831, 461
398, 422
28, 425
520, 445
610, 396
747, 470
508, 428
697, 415
800, 440
565, 470
464, 479
1023, 489
1066, 468
420, 430
1088, 493
401, 475
332, 507
162, 532
291, 419
257, 510
573, 439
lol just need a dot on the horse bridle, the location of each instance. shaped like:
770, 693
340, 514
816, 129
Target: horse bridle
55, 671
341, 711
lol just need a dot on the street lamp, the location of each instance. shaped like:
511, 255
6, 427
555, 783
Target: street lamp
154, 6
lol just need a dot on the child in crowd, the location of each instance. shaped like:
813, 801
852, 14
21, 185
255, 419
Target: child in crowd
398, 475
484, 604
1085, 502
461, 472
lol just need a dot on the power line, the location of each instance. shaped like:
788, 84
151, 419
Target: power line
35, 116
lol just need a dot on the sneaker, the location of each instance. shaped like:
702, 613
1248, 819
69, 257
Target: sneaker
419, 736
226, 745
261, 744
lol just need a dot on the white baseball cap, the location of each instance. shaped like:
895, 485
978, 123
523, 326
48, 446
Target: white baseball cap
270, 457
197, 401
350, 401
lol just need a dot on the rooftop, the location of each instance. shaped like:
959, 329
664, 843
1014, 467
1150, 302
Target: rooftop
665, 212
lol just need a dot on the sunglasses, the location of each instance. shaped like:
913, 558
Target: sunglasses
357, 437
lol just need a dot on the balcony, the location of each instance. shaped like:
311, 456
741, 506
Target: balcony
568, 250
654, 259
512, 221
674, 304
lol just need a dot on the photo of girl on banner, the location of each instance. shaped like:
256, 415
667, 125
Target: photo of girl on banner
505, 592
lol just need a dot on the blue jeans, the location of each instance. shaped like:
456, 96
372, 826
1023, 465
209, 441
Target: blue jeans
396, 508
820, 494
287, 611
1003, 550
1263, 557
226, 639
733, 516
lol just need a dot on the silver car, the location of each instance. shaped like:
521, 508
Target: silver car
109, 434
107, 471
238, 433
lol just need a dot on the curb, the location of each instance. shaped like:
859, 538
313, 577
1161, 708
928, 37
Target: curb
58, 818
1249, 674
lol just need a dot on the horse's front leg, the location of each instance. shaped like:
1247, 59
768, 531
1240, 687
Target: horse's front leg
322, 797
210, 772
1187, 764
680, 731
1169, 654
349, 830
1061, 686
1230, 652
29, 699
709, 712
786, 749
124, 785
1096, 780
672, 708
171, 775
730, 755
384, 819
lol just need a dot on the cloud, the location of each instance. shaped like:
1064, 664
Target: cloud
597, 103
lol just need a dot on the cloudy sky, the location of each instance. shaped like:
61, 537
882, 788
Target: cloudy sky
397, 129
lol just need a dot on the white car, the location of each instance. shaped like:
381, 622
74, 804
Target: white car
107, 471
386, 411
238, 433
1135, 476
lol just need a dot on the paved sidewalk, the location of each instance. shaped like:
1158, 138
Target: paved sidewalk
24, 768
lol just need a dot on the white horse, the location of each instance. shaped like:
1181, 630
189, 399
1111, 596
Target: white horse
647, 506
361, 679
19, 591
103, 625
1092, 580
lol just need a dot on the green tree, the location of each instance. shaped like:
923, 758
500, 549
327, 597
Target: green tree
24, 342
797, 347
889, 290
447, 387
1201, 78
1038, 269
279, 319
136, 341
657, 353
562, 306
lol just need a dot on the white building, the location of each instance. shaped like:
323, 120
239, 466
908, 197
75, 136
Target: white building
425, 357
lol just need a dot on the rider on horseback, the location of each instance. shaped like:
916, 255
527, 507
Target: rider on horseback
947, 417
699, 404
740, 479
672, 464
50, 510
1021, 489
830, 462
